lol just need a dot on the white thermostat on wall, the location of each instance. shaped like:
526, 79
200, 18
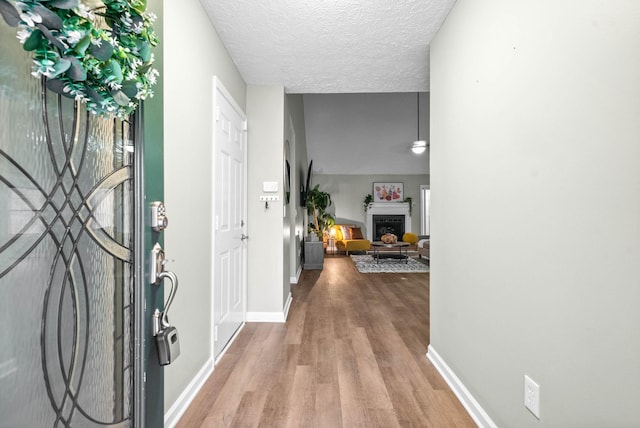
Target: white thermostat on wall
269, 186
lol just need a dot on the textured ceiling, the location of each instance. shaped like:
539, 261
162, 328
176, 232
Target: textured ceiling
331, 46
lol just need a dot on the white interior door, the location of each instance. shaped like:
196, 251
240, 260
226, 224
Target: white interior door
229, 264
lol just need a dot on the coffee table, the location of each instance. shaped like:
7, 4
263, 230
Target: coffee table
400, 255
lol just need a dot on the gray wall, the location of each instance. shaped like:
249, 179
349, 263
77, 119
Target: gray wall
348, 192
343, 128
294, 109
188, 112
535, 215
265, 108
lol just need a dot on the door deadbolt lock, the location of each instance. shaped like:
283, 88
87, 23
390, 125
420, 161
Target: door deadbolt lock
159, 220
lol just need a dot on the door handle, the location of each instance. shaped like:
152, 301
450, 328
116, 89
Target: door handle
167, 340
164, 322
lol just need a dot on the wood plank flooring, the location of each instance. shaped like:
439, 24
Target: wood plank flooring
351, 354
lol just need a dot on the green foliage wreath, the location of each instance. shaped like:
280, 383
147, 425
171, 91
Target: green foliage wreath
95, 51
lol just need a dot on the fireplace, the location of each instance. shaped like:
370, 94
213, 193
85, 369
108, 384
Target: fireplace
387, 224
394, 214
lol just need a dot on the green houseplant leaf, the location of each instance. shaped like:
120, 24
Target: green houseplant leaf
33, 41
9, 13
76, 71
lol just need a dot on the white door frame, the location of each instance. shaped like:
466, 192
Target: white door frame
425, 206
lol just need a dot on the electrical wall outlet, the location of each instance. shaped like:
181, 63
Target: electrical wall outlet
532, 396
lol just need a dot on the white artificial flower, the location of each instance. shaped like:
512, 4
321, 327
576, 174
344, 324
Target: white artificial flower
24, 34
43, 68
31, 18
23, 7
114, 85
74, 36
126, 19
152, 75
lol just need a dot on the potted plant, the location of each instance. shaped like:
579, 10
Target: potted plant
410, 202
317, 204
367, 201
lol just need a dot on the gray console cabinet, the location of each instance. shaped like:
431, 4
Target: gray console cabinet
313, 255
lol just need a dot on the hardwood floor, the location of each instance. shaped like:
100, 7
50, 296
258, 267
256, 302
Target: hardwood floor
351, 354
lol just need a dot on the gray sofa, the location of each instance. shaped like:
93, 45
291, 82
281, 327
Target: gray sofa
423, 246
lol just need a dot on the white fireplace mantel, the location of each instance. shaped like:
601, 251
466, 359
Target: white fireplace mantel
387, 208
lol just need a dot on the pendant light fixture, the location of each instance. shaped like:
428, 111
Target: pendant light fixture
419, 146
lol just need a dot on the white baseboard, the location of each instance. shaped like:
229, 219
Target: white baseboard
175, 412
265, 317
271, 316
287, 306
474, 409
295, 279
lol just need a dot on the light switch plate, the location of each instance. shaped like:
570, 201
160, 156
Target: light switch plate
269, 186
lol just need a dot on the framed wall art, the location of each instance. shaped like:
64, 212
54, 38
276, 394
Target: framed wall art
388, 192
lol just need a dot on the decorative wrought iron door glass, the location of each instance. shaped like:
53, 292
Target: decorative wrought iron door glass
66, 260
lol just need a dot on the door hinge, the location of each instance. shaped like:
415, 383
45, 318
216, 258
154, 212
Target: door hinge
217, 113
245, 126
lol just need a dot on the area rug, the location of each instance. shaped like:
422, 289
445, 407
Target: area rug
367, 264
